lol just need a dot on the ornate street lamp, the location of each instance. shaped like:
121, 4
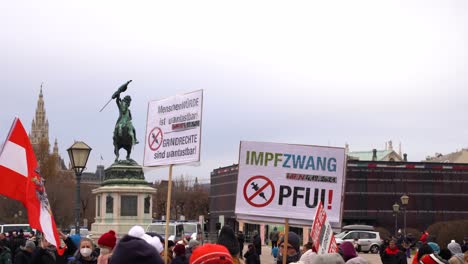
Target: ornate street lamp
404, 201
396, 210
79, 154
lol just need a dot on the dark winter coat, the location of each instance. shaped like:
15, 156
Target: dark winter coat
5, 255
135, 250
251, 257
257, 242
22, 257
180, 260
78, 259
395, 256
44, 256
17, 242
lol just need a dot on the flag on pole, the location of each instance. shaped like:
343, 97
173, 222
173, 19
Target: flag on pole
20, 180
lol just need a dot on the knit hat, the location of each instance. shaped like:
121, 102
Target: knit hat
108, 239
179, 250
293, 240
330, 258
227, 238
348, 250
308, 257
454, 247
357, 260
211, 254
139, 232
135, 250
29, 244
434, 247
432, 259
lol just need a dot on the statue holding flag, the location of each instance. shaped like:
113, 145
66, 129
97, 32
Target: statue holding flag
124, 132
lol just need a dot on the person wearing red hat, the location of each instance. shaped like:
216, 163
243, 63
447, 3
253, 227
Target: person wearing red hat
211, 254
106, 243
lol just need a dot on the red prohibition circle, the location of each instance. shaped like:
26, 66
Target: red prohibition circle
152, 138
268, 183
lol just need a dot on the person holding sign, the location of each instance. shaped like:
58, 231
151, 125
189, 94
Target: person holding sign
292, 249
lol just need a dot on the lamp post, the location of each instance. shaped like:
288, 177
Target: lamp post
396, 210
78, 153
404, 201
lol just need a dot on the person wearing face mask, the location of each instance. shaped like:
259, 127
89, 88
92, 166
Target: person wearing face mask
85, 254
106, 243
292, 249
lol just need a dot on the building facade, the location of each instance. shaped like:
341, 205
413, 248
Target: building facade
435, 193
223, 198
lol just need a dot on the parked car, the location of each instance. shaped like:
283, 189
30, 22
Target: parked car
368, 241
176, 230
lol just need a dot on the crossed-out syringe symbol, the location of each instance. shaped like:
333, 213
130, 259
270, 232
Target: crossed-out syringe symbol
256, 188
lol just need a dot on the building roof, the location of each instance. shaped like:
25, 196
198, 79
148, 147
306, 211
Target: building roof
367, 155
455, 157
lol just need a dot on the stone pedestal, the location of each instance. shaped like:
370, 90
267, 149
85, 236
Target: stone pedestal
123, 200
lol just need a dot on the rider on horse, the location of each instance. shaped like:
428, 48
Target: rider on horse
124, 122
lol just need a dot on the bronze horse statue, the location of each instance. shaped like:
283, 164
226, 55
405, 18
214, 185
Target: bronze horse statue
124, 132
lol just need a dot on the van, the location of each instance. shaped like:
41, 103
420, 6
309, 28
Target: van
176, 230
16, 227
192, 231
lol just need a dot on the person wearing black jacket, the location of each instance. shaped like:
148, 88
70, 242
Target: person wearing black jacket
241, 240
24, 253
392, 254
18, 241
45, 254
251, 257
257, 242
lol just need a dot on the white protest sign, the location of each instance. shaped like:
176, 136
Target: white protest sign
278, 181
322, 233
173, 130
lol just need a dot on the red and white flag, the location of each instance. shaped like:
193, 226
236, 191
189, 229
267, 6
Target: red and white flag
322, 233
20, 180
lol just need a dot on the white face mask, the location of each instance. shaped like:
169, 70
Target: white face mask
85, 252
105, 251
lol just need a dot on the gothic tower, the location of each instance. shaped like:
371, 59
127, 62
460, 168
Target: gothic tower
40, 125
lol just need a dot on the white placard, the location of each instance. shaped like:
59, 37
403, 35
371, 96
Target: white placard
278, 181
173, 130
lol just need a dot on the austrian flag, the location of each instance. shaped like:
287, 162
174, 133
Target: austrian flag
20, 180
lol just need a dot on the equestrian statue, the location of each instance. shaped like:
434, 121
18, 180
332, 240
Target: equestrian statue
124, 132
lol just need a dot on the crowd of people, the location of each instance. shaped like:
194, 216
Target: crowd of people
145, 248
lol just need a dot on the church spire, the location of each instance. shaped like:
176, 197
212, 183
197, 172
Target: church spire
56, 148
40, 124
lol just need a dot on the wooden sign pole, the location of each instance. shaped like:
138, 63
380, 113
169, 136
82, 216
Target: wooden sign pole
168, 214
285, 243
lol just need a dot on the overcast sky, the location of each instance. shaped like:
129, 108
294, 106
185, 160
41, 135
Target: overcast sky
307, 72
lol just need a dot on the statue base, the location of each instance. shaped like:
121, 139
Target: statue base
124, 173
123, 200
